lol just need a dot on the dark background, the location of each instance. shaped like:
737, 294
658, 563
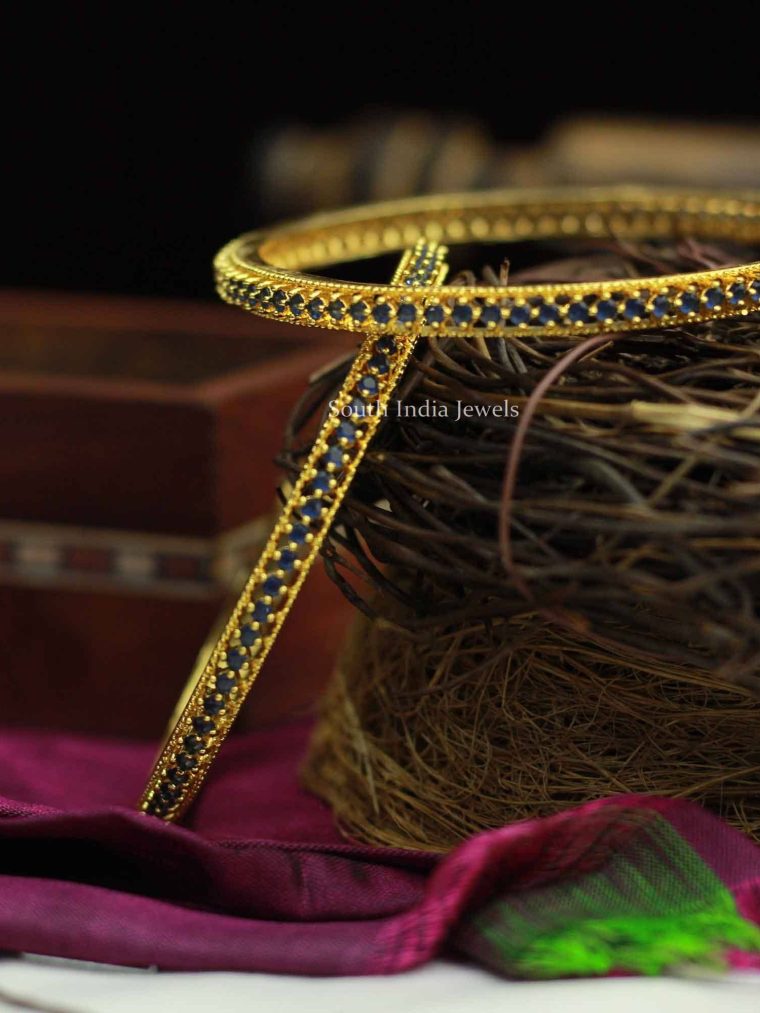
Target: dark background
129, 136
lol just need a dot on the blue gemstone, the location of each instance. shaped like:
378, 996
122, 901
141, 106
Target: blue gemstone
407, 313
433, 314
265, 294
737, 293
203, 726
296, 304
322, 482
381, 313
166, 793
315, 308
634, 309
312, 509
249, 296
754, 291
519, 315
248, 636
661, 307
358, 312
287, 559
346, 430
368, 386
271, 586
334, 456
279, 299
185, 762
386, 344
213, 706
379, 364
490, 315
578, 313
176, 775
235, 660
548, 313
462, 314
714, 298
358, 407
336, 309
261, 611
606, 310
297, 534
224, 683
689, 303
192, 743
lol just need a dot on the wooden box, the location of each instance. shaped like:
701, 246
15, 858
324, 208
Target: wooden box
137, 440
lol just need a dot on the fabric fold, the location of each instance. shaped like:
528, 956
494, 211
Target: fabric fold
261, 880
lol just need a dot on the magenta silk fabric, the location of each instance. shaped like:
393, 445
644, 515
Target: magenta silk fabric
259, 879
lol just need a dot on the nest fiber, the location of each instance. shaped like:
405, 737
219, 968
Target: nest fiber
560, 598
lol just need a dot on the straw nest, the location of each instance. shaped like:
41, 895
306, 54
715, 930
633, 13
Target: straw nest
556, 605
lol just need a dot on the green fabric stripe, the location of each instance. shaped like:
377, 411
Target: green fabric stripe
653, 905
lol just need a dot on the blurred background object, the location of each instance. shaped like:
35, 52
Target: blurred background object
137, 478
379, 156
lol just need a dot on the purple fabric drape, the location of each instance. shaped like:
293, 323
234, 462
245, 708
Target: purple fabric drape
259, 879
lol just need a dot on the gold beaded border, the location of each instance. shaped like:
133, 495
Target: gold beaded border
197, 734
244, 277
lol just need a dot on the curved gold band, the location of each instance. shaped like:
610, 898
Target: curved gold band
264, 271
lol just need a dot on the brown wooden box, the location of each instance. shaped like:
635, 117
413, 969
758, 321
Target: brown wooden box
137, 440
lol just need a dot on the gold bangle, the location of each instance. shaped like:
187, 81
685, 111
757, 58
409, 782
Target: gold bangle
224, 676
259, 272
263, 271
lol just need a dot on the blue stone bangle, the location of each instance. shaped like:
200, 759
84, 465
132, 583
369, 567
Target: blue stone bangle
255, 269
219, 688
269, 274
